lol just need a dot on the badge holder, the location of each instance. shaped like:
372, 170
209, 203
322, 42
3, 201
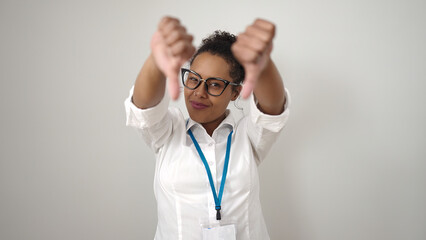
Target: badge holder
213, 229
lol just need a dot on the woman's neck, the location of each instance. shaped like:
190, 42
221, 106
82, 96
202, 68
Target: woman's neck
211, 126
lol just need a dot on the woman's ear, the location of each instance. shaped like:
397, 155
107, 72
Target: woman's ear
236, 92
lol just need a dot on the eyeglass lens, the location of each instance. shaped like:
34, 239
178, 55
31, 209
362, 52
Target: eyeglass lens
214, 86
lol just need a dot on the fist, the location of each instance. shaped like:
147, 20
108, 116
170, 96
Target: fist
171, 47
252, 49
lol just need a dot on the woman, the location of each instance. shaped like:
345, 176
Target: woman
206, 179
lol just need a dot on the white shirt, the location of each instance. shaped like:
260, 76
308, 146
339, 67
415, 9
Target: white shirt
181, 185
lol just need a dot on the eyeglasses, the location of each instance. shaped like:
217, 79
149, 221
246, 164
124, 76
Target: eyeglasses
214, 86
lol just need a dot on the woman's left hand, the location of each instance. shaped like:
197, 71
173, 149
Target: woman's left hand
252, 49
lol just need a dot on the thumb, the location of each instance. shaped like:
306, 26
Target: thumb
173, 75
249, 83
173, 81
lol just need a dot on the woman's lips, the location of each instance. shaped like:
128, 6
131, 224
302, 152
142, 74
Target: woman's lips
198, 105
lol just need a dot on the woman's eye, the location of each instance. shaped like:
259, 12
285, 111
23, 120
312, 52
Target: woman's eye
193, 79
215, 85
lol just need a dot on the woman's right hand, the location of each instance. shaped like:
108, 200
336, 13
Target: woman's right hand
171, 47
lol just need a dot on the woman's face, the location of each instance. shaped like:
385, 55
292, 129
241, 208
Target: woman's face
202, 107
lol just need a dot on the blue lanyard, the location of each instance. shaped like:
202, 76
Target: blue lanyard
217, 199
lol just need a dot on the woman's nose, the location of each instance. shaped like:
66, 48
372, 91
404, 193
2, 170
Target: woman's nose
201, 90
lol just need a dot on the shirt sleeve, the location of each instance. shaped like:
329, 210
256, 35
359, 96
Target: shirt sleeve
154, 124
263, 129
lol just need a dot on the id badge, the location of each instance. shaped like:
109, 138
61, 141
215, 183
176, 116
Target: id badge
219, 231
226, 232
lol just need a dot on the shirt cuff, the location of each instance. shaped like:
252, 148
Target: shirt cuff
145, 118
272, 123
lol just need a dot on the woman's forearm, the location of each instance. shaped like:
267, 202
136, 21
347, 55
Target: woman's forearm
269, 90
149, 86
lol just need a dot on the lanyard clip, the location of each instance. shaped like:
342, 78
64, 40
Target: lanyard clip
218, 217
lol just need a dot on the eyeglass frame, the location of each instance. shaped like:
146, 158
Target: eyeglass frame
200, 79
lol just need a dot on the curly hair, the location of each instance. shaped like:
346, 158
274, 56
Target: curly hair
219, 43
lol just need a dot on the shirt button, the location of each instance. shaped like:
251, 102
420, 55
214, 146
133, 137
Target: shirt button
211, 144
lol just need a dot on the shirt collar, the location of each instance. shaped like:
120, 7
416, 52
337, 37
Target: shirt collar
228, 121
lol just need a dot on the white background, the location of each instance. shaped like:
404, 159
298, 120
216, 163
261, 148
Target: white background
350, 165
